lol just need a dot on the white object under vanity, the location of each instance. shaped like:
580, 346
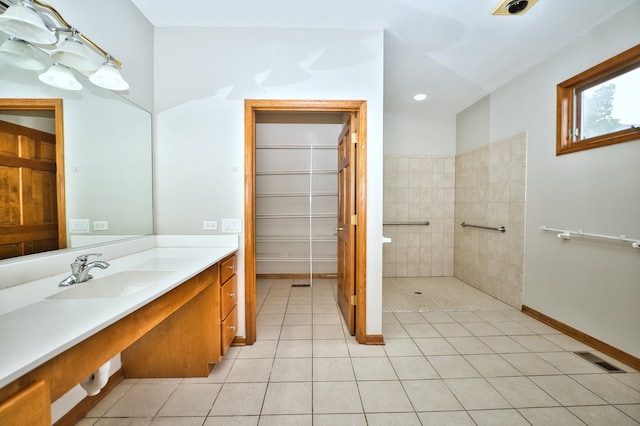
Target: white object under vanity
167, 321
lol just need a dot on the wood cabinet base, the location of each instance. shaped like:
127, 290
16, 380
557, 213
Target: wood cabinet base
185, 344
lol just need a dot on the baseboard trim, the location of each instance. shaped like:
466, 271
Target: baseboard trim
598, 345
374, 339
239, 341
83, 407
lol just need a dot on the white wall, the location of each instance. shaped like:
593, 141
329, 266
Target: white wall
592, 287
472, 126
416, 132
203, 76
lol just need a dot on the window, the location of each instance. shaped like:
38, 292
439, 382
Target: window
600, 106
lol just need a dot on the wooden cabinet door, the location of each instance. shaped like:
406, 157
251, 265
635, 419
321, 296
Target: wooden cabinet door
31, 406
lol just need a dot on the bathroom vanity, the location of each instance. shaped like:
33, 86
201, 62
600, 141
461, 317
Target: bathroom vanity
189, 337
175, 317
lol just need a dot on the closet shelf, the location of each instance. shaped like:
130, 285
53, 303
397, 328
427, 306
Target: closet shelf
296, 259
295, 172
298, 216
293, 233
298, 239
297, 147
296, 194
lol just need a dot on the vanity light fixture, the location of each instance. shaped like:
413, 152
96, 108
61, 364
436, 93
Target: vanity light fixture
22, 21
38, 23
61, 77
108, 77
19, 54
74, 54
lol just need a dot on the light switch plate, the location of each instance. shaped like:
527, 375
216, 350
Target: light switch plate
79, 226
231, 225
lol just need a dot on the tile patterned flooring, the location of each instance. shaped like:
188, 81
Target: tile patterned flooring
471, 367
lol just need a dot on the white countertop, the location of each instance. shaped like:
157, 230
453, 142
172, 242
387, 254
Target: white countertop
34, 329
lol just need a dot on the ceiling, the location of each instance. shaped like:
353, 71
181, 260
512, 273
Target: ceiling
454, 51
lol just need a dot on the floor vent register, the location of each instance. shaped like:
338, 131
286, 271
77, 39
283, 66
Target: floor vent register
595, 359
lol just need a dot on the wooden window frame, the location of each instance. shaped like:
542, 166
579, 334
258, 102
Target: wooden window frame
568, 118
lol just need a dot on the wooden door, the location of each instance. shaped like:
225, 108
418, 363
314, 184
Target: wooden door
28, 191
347, 222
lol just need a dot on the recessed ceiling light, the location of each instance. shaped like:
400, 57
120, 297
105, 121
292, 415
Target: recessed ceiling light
420, 97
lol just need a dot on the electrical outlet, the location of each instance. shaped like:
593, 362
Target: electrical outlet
100, 225
284, 254
210, 225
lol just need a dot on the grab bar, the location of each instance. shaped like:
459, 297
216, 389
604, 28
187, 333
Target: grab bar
491, 228
425, 223
566, 235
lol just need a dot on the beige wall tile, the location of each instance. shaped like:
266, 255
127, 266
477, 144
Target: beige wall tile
417, 189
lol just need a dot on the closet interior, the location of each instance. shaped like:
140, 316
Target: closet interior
297, 194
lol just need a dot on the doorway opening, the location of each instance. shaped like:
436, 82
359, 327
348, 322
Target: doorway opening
354, 285
297, 195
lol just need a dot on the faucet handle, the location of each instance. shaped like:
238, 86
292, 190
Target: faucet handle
83, 257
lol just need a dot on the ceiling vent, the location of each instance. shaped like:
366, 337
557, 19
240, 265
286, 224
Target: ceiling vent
514, 7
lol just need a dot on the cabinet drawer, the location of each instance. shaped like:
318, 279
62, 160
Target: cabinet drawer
30, 406
228, 296
229, 329
228, 268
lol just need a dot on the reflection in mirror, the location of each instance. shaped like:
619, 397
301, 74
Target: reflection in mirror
31, 177
107, 155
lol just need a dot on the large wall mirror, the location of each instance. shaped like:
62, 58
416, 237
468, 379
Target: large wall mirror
107, 154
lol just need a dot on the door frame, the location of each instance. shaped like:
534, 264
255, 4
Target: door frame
251, 107
55, 105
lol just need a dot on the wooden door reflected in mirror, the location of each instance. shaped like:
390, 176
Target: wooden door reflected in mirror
32, 208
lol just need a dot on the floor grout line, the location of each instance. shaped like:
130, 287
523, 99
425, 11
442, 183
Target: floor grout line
370, 382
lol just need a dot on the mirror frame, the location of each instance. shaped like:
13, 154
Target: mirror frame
55, 105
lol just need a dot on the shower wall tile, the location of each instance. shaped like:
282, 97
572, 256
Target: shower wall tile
418, 189
490, 191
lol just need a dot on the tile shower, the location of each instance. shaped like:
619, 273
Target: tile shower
484, 186
418, 189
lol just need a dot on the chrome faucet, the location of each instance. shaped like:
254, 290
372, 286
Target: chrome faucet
80, 269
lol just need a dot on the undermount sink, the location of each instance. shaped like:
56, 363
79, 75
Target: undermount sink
119, 284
